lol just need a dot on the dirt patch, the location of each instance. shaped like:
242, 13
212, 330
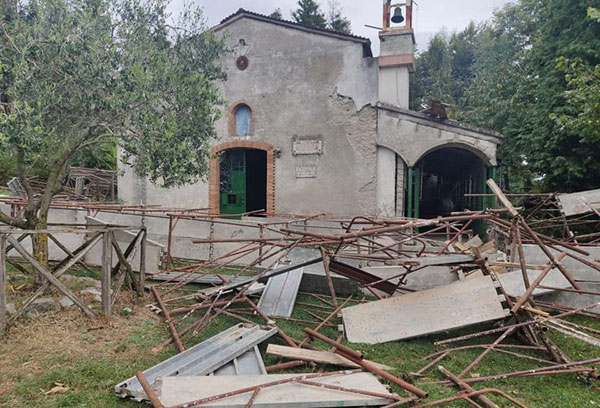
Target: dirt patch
36, 344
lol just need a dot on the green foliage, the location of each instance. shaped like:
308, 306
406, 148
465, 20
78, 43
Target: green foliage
593, 13
8, 168
529, 73
100, 156
309, 14
84, 74
582, 96
434, 73
445, 69
92, 376
335, 20
276, 14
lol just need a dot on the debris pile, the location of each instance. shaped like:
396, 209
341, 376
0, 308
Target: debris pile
80, 184
417, 277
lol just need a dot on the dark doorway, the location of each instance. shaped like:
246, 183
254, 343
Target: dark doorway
256, 180
243, 181
440, 180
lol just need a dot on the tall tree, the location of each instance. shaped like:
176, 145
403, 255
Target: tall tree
276, 14
309, 14
335, 20
531, 74
85, 72
582, 95
445, 69
433, 79
524, 90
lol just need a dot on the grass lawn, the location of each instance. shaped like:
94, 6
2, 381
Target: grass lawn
90, 357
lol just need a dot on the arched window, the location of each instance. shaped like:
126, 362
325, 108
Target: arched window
243, 120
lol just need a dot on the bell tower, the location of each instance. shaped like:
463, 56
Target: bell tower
396, 62
396, 59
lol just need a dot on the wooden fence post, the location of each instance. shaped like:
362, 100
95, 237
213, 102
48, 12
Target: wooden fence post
106, 271
142, 281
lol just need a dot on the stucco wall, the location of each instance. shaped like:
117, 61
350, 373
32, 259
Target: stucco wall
297, 84
411, 135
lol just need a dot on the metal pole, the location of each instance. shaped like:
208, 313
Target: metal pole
170, 323
148, 390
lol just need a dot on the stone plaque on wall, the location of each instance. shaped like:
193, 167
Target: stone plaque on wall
306, 171
307, 145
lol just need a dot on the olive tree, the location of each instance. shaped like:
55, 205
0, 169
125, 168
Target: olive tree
78, 73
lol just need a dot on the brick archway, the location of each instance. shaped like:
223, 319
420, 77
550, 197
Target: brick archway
215, 172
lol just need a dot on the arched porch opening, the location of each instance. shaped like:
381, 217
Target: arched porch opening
439, 180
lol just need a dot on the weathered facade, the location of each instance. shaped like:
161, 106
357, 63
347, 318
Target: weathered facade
316, 124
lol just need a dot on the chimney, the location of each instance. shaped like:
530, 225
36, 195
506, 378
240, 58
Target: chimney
396, 59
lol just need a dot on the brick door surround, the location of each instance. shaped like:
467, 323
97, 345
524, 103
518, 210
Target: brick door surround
215, 172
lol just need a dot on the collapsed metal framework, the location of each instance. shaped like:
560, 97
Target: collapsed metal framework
410, 244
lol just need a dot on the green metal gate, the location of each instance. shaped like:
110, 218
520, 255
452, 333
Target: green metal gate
474, 184
233, 182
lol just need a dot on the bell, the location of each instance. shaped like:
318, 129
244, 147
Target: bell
397, 17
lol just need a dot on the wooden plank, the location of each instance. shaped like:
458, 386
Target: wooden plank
142, 281
126, 257
317, 356
75, 254
460, 247
64, 265
53, 280
505, 201
488, 247
125, 263
179, 390
67, 251
429, 311
279, 295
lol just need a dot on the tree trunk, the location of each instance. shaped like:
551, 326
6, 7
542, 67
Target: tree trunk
39, 244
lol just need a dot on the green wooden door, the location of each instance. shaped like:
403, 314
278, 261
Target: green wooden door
233, 182
413, 194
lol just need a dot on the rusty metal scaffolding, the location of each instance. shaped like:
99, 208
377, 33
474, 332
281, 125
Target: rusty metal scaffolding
409, 244
406, 243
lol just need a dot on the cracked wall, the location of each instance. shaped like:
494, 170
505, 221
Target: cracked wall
299, 85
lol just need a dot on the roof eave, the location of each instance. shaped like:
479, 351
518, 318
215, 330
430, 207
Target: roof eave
446, 122
366, 43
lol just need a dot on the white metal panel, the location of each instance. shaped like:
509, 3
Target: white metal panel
429, 311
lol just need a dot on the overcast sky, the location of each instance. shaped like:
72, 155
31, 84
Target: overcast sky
430, 16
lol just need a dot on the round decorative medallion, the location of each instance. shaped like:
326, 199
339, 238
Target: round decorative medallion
242, 62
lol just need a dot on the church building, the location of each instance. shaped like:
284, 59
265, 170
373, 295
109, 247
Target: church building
315, 124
